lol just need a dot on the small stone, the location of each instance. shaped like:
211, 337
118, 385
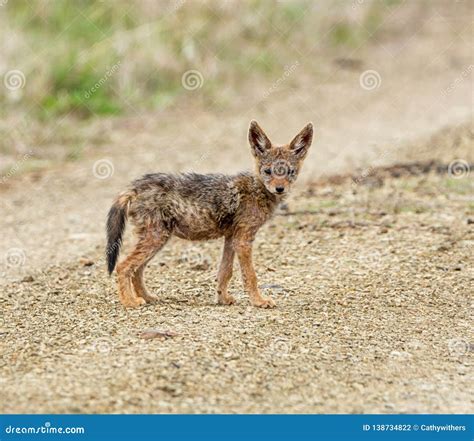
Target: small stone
28, 279
231, 356
86, 262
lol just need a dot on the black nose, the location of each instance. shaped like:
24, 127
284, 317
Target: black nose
280, 189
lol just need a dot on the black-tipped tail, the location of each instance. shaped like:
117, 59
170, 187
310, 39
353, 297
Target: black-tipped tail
115, 227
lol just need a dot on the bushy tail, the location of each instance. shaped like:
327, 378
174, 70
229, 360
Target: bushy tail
116, 220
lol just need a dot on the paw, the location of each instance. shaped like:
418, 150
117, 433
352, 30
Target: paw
150, 298
264, 302
225, 300
134, 303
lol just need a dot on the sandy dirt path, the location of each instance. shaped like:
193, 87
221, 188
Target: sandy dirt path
374, 315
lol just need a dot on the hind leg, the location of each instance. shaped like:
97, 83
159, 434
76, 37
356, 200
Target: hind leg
158, 239
125, 290
139, 284
132, 290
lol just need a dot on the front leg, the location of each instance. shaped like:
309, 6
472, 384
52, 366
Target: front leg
225, 273
243, 247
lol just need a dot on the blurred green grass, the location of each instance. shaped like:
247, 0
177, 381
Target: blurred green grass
90, 58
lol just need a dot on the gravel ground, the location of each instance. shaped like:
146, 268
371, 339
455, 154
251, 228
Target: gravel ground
372, 275
373, 282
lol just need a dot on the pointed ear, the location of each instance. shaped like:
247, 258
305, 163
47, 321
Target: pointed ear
259, 142
302, 141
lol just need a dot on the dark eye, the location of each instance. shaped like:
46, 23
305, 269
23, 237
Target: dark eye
268, 171
292, 172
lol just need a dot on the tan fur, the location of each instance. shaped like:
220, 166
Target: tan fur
203, 207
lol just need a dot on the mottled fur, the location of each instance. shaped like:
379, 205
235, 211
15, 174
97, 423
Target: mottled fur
201, 207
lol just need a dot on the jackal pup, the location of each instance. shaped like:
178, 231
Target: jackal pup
200, 207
